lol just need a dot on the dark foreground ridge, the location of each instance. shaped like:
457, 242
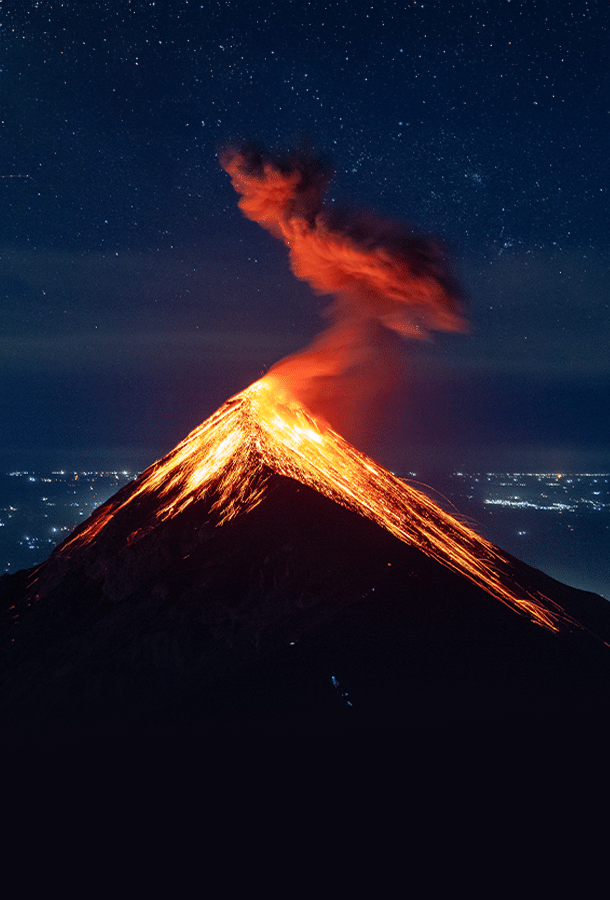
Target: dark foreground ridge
296, 614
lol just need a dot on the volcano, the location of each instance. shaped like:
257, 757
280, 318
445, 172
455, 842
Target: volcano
265, 574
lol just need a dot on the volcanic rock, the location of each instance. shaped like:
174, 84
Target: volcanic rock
293, 612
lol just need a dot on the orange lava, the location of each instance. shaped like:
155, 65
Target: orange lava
264, 426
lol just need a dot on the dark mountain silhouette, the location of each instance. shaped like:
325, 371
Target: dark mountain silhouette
229, 588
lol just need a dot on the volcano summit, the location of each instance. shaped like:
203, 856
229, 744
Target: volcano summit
267, 574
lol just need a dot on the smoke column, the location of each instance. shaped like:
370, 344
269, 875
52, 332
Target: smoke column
386, 281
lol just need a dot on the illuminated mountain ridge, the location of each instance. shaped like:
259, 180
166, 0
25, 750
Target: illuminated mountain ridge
264, 429
265, 569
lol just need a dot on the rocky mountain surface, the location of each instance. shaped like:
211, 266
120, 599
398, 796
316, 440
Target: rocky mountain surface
294, 613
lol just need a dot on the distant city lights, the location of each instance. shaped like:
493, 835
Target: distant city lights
40, 509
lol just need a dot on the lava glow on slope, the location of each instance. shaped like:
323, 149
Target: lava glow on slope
264, 428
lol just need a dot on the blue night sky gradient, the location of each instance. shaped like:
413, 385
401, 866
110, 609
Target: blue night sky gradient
136, 298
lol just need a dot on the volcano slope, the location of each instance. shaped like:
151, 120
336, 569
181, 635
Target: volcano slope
286, 608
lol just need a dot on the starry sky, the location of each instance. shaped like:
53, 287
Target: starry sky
136, 298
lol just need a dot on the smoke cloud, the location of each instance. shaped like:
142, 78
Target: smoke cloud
386, 281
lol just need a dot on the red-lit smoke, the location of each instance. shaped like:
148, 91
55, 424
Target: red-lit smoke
385, 279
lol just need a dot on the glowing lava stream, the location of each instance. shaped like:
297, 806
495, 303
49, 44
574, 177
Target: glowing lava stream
265, 426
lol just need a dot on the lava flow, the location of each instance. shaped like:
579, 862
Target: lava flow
264, 429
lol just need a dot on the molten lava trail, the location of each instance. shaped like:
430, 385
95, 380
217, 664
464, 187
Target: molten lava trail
264, 426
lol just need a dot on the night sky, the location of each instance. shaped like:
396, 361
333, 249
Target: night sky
136, 298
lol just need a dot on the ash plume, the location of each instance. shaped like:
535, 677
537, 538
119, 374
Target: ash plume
386, 281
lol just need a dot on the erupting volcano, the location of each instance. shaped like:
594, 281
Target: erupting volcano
265, 565
264, 430
265, 573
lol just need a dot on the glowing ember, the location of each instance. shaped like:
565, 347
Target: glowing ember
264, 428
